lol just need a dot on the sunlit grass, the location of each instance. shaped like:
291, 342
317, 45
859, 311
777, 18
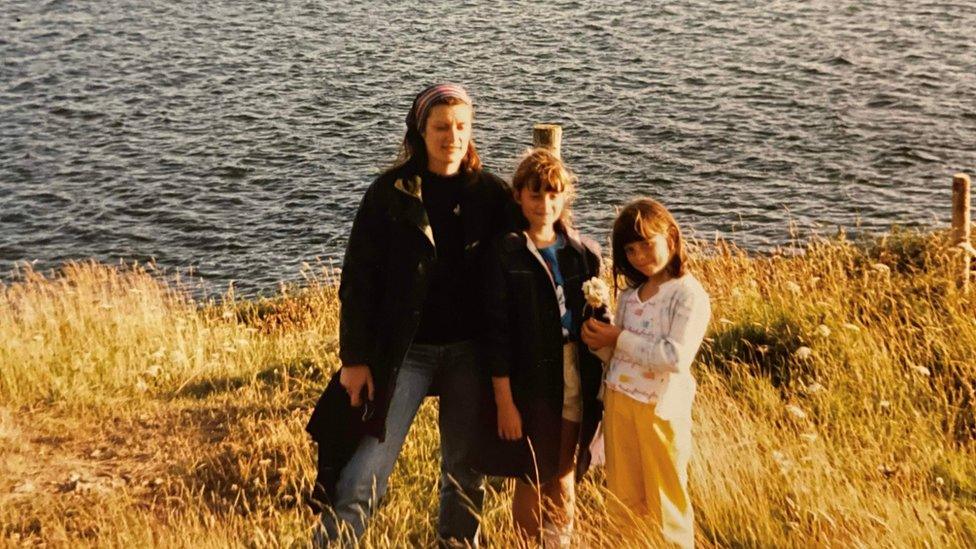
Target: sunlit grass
836, 408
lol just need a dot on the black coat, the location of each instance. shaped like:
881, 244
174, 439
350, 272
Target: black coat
523, 340
383, 285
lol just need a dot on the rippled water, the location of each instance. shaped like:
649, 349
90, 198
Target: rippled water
236, 137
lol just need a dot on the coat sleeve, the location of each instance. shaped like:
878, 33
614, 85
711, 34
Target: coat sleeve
497, 336
360, 286
675, 350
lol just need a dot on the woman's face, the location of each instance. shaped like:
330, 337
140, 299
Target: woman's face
446, 135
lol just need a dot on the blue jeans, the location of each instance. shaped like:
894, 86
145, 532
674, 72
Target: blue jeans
363, 481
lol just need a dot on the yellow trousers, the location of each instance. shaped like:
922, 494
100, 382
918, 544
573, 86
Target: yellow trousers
647, 468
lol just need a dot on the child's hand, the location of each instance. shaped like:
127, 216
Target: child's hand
597, 334
509, 422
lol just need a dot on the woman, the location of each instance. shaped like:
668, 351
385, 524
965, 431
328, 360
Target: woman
410, 295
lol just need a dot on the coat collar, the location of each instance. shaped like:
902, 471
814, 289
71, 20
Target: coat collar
415, 213
534, 250
471, 211
572, 240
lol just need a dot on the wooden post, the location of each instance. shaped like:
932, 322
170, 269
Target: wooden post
548, 136
961, 223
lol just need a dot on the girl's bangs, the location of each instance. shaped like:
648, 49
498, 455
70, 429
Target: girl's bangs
637, 230
547, 185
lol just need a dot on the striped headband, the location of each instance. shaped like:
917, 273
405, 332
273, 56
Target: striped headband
430, 97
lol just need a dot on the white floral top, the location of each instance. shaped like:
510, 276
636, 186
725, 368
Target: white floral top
660, 338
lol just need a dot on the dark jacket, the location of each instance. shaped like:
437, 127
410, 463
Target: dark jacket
524, 341
382, 289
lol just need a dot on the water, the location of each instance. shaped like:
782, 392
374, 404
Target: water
237, 137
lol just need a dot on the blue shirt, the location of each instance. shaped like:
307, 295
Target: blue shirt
550, 256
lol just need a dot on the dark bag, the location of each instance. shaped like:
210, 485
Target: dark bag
337, 428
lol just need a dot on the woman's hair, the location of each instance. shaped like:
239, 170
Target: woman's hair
413, 151
638, 221
541, 171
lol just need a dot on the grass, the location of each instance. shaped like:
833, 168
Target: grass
835, 408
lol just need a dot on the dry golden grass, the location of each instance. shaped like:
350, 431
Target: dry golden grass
836, 408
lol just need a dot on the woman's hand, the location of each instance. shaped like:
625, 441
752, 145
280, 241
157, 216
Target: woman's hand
352, 378
509, 422
597, 334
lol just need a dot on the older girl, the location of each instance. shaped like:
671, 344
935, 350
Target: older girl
545, 405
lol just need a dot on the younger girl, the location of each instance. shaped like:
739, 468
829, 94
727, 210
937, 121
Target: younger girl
544, 409
660, 321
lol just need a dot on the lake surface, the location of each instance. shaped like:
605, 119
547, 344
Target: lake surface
237, 137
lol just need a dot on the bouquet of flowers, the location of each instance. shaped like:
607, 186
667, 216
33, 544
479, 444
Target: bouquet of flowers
597, 295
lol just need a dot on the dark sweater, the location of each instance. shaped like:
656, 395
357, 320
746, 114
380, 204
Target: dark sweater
447, 311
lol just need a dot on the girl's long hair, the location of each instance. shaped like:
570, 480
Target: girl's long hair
540, 170
640, 220
412, 158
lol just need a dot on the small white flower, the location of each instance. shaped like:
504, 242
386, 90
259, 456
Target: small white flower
596, 292
884, 404
939, 481
823, 330
784, 463
793, 287
881, 268
922, 370
25, 487
803, 353
796, 411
